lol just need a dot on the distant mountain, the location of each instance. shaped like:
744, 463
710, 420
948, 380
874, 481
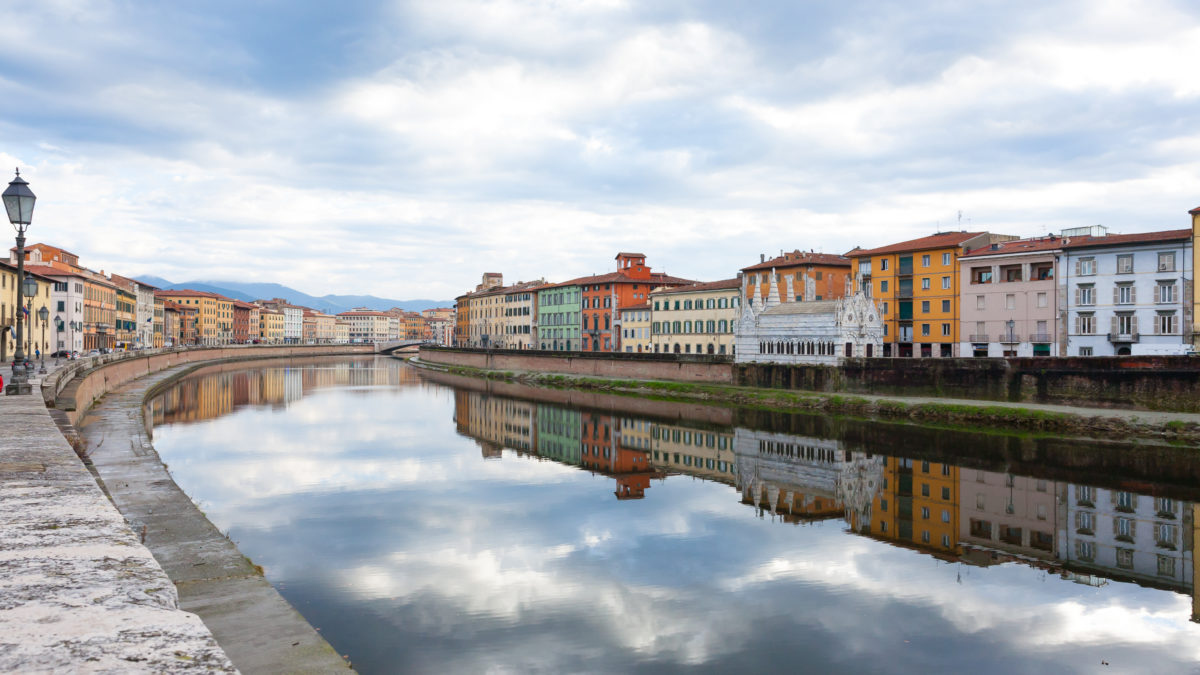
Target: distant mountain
331, 304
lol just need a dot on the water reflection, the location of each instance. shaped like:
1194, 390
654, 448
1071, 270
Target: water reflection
473, 531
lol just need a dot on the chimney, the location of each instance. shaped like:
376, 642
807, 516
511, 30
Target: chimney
762, 257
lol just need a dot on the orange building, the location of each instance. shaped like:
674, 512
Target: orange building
916, 283
604, 294
918, 504
800, 276
603, 452
214, 314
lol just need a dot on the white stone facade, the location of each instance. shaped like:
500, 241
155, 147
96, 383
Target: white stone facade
822, 332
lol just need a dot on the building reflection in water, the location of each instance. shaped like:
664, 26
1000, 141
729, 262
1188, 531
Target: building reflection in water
219, 390
969, 516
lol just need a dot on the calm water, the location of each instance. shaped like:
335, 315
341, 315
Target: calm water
433, 527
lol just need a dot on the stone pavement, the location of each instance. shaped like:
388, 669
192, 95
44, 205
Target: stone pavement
78, 590
255, 626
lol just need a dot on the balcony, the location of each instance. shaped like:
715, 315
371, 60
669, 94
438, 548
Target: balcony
904, 293
1041, 337
1123, 337
1008, 338
979, 338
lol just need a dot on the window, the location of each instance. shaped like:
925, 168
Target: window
1124, 294
1125, 263
945, 330
1126, 501
1085, 551
980, 302
1085, 495
1125, 558
1166, 535
1042, 299
924, 329
883, 264
1010, 301
924, 306
981, 275
1085, 351
1042, 271
1166, 262
925, 283
1085, 294
925, 260
925, 513
945, 516
1085, 267
945, 282
1124, 528
1166, 566
883, 285
1166, 323
1164, 291
945, 258
924, 489
885, 308
1125, 323
1085, 522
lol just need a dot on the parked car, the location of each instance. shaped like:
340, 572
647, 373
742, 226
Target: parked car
62, 353
94, 352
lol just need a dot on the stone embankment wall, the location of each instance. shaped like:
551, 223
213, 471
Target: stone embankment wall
75, 388
683, 368
1168, 383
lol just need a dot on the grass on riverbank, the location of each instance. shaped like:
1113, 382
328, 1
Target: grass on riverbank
975, 417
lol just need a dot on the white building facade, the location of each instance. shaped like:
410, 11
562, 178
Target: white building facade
1118, 291
819, 332
66, 320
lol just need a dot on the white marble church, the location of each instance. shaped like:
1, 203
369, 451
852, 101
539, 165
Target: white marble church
820, 332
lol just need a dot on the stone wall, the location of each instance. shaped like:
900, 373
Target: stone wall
675, 367
75, 388
1168, 383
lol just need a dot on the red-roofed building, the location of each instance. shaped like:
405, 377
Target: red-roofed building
1008, 305
214, 314
696, 318
604, 294
916, 284
799, 276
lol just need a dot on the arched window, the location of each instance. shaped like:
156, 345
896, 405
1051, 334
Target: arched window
585, 323
677, 348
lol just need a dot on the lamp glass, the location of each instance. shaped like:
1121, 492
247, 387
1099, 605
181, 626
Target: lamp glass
19, 201
30, 287
43, 313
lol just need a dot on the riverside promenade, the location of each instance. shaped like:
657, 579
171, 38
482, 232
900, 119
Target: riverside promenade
78, 590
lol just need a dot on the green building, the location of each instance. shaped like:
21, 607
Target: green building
558, 317
559, 434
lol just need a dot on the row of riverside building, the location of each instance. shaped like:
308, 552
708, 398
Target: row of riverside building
88, 309
1080, 292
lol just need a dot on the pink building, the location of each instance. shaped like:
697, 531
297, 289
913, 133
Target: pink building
1008, 299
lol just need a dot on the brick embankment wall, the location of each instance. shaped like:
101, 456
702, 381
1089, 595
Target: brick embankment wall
682, 368
76, 388
1165, 383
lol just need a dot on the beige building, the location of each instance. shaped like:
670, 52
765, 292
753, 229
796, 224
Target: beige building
271, 325
341, 332
635, 329
695, 319
368, 325
519, 313
319, 328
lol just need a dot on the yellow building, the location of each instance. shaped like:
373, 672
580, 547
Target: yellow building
214, 314
697, 318
270, 326
635, 329
35, 333
341, 332
916, 283
1195, 213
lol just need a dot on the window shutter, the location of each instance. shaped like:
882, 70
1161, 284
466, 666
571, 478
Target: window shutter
1078, 296
1133, 526
1116, 294
1114, 325
1078, 267
1116, 526
1077, 325
1133, 294
1157, 293
1133, 324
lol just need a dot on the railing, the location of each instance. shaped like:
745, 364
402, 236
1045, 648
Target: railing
980, 338
904, 293
1040, 337
1123, 337
1008, 338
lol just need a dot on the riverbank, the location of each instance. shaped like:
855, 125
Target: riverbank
258, 629
1100, 423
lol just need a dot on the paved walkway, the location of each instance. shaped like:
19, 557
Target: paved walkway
255, 626
78, 591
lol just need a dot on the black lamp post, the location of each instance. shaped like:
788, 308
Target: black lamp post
43, 314
18, 202
58, 328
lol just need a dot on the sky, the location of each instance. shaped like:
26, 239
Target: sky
403, 148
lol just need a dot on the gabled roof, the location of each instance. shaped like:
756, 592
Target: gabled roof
1121, 239
1049, 243
1195, 211
723, 284
656, 278
799, 257
939, 240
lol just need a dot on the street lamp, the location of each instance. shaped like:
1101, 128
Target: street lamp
43, 314
58, 328
18, 202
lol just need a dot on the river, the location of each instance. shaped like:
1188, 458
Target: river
430, 523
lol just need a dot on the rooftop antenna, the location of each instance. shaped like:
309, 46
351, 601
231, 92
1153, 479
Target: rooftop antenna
960, 219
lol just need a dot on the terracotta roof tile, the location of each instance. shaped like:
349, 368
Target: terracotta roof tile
698, 286
799, 257
1049, 243
940, 240
1137, 238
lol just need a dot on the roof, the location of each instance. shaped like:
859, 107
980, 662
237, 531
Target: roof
645, 305
799, 257
939, 240
244, 305
1195, 211
1119, 239
189, 293
656, 278
625, 254
363, 312
34, 270
817, 307
1035, 245
702, 286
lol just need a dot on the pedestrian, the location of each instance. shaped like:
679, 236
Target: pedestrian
1, 381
